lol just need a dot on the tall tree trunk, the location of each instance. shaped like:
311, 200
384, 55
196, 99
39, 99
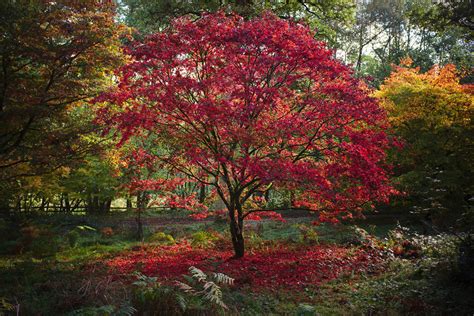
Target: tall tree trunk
129, 203
43, 204
237, 237
107, 204
236, 228
139, 224
360, 52
18, 204
141, 204
60, 207
67, 204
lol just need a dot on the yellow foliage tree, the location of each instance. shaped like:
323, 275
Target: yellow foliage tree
433, 113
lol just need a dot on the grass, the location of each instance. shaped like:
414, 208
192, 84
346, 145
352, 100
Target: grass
64, 275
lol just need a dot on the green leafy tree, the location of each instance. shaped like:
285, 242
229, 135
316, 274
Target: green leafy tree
95, 183
385, 32
328, 17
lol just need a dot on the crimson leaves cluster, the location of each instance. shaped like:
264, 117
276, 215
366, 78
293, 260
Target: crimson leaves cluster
241, 104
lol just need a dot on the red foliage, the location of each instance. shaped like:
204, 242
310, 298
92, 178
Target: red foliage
245, 105
256, 216
238, 104
276, 268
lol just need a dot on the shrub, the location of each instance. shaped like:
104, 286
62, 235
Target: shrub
308, 234
255, 241
45, 246
30, 232
41, 241
204, 239
408, 244
107, 232
162, 238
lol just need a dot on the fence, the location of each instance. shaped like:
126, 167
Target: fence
78, 210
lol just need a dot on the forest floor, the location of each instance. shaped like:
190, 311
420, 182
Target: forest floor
94, 266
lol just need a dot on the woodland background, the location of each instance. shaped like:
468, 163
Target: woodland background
74, 231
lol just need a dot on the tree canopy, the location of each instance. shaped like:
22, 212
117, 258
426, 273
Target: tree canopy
432, 112
240, 105
54, 57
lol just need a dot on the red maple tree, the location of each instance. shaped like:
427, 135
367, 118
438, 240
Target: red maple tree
240, 105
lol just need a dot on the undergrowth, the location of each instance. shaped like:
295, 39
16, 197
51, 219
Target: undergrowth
58, 269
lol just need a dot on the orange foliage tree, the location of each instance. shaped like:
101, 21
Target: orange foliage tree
433, 112
53, 57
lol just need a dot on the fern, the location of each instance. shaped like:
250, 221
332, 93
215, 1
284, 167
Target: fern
144, 280
125, 310
205, 287
213, 293
185, 288
181, 302
223, 279
197, 274
150, 295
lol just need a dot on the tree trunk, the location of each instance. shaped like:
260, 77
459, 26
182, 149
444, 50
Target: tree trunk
236, 227
360, 52
129, 203
67, 204
202, 193
139, 224
107, 205
43, 204
141, 204
237, 238
18, 204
